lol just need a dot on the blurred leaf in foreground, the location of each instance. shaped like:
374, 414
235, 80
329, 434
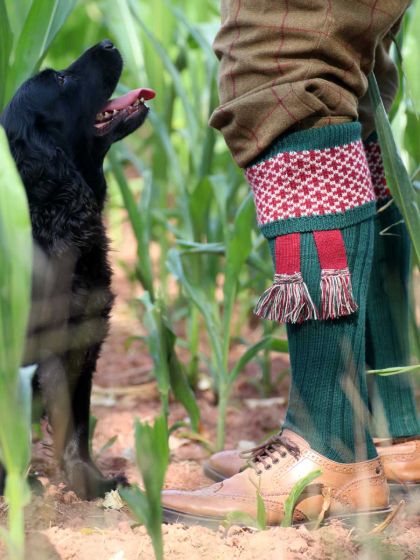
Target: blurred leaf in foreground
152, 454
298, 488
15, 384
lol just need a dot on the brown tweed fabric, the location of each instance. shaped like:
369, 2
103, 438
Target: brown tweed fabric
290, 64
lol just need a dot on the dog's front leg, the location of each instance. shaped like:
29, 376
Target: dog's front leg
52, 379
81, 472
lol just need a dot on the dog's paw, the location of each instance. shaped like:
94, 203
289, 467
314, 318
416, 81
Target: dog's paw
89, 483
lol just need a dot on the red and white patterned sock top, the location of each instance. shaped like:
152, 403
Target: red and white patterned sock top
311, 182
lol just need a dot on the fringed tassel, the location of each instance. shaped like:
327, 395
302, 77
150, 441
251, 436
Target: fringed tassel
287, 300
336, 294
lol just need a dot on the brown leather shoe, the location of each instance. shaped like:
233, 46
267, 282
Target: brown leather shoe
224, 465
274, 468
400, 458
401, 462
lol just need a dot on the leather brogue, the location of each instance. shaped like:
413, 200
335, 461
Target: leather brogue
401, 462
400, 459
273, 469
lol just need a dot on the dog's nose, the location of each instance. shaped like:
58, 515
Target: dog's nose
107, 44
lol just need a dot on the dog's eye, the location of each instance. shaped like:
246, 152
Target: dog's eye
61, 79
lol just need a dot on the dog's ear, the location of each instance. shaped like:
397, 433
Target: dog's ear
34, 139
46, 170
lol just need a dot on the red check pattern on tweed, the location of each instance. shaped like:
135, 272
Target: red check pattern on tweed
376, 166
311, 183
288, 62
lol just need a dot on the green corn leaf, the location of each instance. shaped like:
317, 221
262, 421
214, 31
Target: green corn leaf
42, 24
6, 41
15, 384
16, 258
162, 132
123, 26
137, 502
17, 12
152, 454
157, 345
291, 501
179, 383
193, 248
194, 30
395, 370
175, 76
199, 205
107, 445
245, 519
139, 216
261, 513
238, 248
411, 136
405, 195
266, 343
199, 299
411, 55
169, 371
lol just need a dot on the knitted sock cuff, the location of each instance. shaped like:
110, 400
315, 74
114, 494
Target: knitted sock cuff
316, 179
376, 167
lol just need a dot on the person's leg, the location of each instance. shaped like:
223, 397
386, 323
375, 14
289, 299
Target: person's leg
291, 74
392, 401
391, 398
265, 90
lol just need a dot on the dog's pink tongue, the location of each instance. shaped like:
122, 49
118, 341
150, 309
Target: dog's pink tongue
129, 99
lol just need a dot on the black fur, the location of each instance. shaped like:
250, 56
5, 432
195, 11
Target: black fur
59, 154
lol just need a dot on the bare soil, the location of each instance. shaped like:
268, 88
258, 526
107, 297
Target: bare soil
59, 526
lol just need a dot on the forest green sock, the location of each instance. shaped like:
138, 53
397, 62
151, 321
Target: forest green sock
328, 403
315, 204
392, 399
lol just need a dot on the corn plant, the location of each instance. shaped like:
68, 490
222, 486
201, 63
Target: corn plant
260, 521
152, 454
218, 318
295, 493
395, 370
406, 196
245, 519
160, 339
193, 169
27, 29
15, 385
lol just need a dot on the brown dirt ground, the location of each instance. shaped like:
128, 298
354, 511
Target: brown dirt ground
59, 526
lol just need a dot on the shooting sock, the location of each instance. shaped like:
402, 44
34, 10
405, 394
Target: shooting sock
328, 401
315, 204
392, 400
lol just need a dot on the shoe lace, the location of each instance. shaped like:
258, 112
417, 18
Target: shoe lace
270, 449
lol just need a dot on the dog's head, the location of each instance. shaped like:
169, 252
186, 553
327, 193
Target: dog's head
70, 109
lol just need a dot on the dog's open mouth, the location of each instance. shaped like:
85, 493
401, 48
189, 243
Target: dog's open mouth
122, 108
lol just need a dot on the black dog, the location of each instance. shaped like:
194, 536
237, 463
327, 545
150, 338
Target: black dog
60, 126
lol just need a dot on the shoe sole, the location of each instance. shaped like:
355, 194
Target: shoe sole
366, 518
409, 492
